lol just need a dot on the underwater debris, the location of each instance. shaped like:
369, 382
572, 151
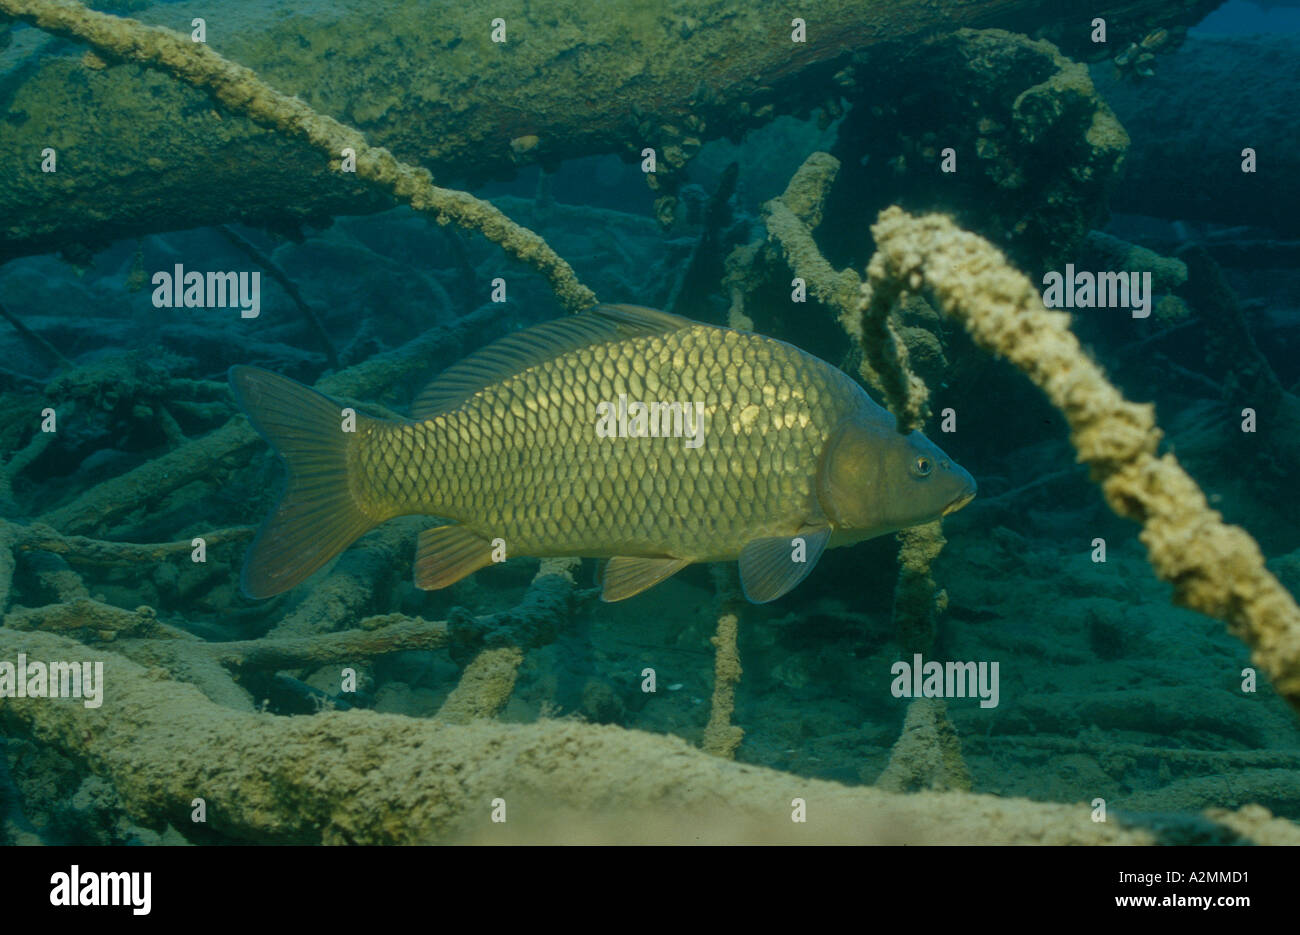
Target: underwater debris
721, 737
1111, 253
487, 682
927, 755
545, 610
241, 91
884, 352
169, 743
1036, 149
729, 57
484, 686
1214, 568
44, 346
397, 634
917, 598
308, 313
81, 550
121, 400
89, 621
790, 220
20, 460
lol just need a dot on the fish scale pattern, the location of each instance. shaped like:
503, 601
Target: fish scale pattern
521, 458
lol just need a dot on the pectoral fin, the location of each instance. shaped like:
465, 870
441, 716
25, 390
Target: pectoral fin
445, 554
626, 576
770, 567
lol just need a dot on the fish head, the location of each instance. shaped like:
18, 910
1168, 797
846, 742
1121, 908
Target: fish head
874, 480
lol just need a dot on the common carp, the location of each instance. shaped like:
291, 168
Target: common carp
623, 433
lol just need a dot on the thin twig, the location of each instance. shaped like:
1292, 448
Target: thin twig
45, 347
274, 271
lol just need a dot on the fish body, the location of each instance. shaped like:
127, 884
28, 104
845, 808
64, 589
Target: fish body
625, 433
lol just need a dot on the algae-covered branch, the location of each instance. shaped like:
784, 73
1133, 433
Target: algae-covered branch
137, 152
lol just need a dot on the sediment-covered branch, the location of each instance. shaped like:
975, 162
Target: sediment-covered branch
99, 552
140, 154
241, 91
360, 777
927, 755
484, 686
721, 737
790, 220
292, 652
1214, 568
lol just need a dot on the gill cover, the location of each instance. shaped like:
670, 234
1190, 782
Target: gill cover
850, 477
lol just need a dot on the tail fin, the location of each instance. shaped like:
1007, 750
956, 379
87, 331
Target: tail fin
316, 517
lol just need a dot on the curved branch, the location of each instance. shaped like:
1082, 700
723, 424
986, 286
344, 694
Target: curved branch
366, 778
241, 91
1214, 568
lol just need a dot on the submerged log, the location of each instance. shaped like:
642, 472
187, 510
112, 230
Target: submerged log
365, 778
137, 152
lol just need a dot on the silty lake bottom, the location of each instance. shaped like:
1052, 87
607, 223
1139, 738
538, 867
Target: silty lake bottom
1140, 174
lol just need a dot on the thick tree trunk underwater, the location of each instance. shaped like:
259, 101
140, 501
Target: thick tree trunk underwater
564, 781
138, 152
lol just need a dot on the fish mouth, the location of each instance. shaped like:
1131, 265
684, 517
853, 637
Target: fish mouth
965, 497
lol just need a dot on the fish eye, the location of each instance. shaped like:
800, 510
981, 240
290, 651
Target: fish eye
922, 466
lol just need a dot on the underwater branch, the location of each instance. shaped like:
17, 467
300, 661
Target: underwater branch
366, 778
573, 79
241, 91
1215, 568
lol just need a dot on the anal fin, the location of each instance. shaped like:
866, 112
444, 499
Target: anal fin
770, 567
626, 576
445, 554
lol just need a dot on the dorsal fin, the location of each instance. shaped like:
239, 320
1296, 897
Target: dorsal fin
528, 348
